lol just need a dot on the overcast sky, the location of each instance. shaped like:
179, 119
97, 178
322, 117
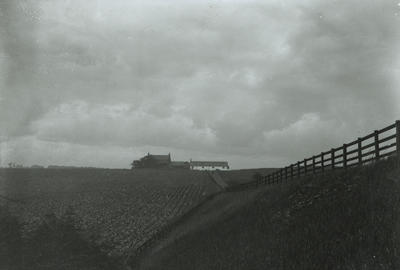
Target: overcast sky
257, 83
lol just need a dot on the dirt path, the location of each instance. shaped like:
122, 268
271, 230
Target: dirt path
219, 207
216, 177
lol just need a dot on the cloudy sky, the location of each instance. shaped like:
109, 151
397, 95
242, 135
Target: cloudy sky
257, 83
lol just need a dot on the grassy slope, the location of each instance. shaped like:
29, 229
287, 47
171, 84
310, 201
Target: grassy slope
336, 221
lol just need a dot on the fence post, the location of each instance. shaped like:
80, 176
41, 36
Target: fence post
345, 156
333, 158
376, 133
313, 164
286, 174
398, 141
359, 145
305, 166
291, 171
322, 161
298, 169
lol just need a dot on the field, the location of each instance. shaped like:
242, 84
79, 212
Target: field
336, 220
118, 208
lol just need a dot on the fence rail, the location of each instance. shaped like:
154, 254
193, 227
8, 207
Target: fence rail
372, 147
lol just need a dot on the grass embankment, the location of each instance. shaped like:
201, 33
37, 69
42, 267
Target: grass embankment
340, 220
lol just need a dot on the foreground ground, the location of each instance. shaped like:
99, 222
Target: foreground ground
120, 209
342, 220
339, 220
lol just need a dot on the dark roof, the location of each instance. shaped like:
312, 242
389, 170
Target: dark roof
161, 157
158, 159
210, 163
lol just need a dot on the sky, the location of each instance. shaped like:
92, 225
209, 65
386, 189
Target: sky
257, 83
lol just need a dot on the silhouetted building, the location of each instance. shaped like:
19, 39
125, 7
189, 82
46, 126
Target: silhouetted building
152, 161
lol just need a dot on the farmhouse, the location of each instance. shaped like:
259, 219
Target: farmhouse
153, 161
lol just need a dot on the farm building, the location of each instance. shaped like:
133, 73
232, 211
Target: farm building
152, 161
165, 161
180, 165
208, 165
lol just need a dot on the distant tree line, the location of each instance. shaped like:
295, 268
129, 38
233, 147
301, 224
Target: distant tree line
14, 165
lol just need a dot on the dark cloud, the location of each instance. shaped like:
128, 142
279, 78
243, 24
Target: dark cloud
258, 83
17, 57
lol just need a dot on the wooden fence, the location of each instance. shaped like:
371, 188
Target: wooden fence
375, 146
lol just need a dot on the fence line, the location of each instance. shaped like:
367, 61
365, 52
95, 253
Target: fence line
361, 151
